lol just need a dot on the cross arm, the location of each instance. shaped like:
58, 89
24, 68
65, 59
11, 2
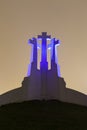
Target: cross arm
34, 41
44, 36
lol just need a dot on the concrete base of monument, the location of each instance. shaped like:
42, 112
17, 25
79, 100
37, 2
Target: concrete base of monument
53, 92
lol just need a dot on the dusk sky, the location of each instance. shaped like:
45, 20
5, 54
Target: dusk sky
23, 19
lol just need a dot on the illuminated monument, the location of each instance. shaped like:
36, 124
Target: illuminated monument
44, 83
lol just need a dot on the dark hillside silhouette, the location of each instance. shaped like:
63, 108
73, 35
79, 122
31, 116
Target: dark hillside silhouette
43, 115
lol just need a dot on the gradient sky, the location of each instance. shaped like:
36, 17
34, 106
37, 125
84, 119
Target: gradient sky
24, 19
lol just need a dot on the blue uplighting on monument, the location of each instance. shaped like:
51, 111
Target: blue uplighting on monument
44, 46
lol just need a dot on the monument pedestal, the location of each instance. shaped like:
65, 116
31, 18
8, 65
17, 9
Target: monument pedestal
44, 84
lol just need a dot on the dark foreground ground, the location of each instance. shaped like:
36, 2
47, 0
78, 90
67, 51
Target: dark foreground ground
43, 115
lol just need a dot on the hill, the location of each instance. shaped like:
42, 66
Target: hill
43, 115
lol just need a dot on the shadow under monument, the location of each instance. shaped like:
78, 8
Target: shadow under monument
44, 84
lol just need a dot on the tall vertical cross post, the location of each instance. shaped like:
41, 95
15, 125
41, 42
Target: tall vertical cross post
44, 64
44, 38
33, 41
54, 43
